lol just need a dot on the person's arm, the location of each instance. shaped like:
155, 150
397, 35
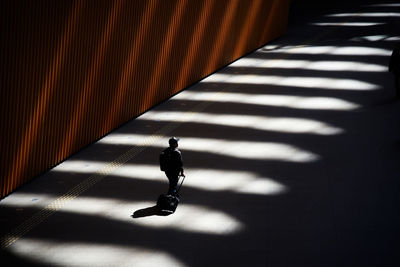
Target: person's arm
180, 160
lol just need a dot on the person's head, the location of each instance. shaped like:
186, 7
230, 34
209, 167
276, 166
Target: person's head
173, 142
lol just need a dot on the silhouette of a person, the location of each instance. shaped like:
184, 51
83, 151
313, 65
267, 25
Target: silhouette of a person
394, 67
174, 166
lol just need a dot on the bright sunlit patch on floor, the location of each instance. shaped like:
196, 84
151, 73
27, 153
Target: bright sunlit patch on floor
309, 65
333, 50
235, 181
303, 82
192, 218
204, 179
187, 218
80, 166
91, 254
289, 101
271, 47
385, 5
235, 149
393, 39
263, 123
370, 38
23, 200
376, 38
350, 24
366, 14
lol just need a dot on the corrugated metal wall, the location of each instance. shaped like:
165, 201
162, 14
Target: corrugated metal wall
72, 71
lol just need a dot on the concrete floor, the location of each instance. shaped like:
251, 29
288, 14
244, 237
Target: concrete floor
291, 155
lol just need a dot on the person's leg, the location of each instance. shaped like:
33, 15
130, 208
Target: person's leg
173, 182
397, 84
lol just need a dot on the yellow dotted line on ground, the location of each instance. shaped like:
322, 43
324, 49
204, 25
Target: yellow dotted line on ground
57, 204
60, 202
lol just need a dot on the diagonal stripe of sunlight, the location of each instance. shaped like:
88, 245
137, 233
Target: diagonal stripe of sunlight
384, 5
293, 81
264, 123
322, 65
350, 24
236, 149
374, 38
88, 254
289, 101
187, 218
331, 50
366, 14
204, 179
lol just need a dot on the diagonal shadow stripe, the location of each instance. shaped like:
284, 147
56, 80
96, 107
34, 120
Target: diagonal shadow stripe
57, 204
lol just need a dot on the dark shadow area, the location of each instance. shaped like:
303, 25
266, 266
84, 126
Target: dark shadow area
303, 11
339, 210
10, 259
151, 211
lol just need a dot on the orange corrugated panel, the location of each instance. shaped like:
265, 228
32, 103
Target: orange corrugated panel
75, 70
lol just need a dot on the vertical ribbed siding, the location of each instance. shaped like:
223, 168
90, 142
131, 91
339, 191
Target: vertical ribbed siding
72, 71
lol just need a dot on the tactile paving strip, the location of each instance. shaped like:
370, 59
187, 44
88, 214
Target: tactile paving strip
60, 202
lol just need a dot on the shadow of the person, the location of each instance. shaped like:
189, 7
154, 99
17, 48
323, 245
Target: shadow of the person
151, 211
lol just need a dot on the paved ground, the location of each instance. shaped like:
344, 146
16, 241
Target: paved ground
291, 155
